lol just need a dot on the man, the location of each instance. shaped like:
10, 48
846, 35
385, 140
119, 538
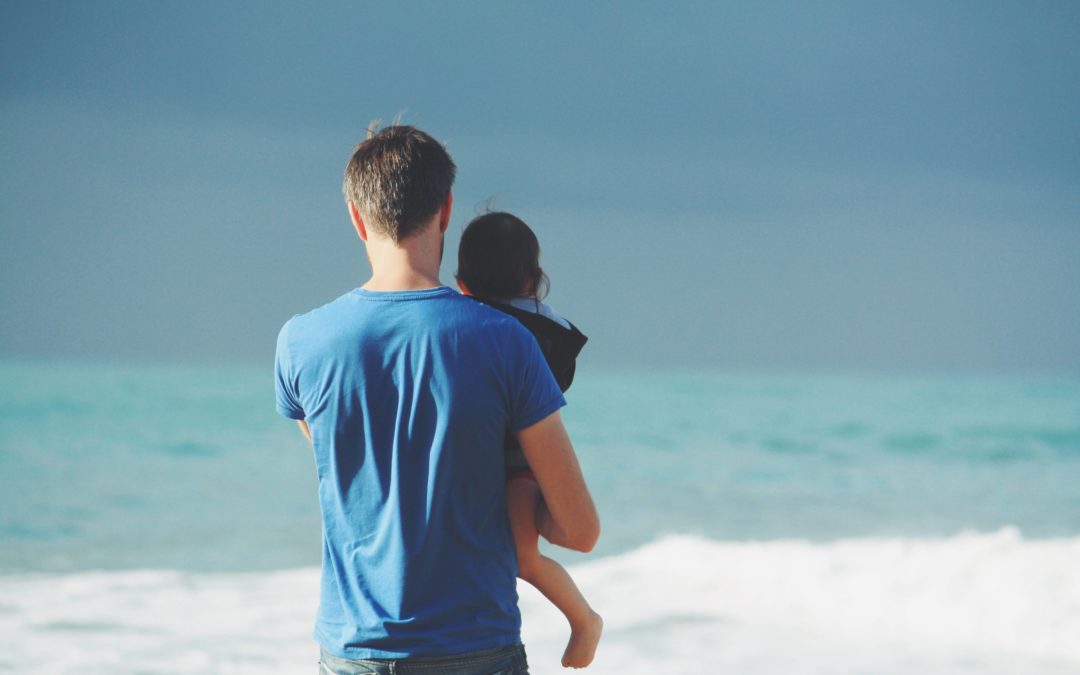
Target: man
405, 390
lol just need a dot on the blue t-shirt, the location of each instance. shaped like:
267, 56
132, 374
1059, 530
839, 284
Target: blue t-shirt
408, 396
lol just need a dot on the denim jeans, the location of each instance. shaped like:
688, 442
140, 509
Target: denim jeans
499, 661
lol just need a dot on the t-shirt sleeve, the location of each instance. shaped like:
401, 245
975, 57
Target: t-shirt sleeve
537, 394
285, 382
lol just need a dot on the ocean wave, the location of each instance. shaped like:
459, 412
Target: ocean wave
971, 603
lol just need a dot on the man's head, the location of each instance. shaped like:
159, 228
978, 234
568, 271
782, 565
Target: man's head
398, 178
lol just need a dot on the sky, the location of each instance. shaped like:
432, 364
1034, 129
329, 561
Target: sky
753, 185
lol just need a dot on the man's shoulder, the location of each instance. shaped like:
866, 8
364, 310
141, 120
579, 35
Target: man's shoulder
314, 322
459, 314
321, 312
535, 320
490, 317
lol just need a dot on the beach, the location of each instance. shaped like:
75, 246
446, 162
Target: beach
163, 520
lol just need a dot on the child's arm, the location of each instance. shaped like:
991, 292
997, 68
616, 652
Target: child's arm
567, 516
305, 430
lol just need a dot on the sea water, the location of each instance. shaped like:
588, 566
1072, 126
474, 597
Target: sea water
164, 520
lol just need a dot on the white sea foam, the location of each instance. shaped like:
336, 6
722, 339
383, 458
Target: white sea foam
972, 603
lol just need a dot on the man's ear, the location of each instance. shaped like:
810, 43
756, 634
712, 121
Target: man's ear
444, 212
357, 221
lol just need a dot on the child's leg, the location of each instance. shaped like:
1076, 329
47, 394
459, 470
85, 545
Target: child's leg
523, 496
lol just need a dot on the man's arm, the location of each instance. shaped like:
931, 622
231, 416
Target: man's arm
305, 430
568, 516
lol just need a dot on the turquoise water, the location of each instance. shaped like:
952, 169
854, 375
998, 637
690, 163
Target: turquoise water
190, 468
157, 519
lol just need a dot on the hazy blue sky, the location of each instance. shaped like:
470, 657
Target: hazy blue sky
784, 185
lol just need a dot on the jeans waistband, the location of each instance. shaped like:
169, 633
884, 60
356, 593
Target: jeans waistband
509, 659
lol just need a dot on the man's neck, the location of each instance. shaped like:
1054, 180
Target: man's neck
401, 282
408, 265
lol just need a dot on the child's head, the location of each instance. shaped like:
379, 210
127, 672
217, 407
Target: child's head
499, 257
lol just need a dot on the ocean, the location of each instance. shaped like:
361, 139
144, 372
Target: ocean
158, 519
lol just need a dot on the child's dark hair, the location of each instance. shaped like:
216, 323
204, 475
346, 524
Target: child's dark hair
499, 257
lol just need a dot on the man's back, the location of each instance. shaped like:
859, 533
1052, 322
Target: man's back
408, 396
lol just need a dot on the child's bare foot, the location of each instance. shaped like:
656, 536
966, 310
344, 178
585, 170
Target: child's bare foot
583, 640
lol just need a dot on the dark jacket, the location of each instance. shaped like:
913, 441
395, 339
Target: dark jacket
559, 345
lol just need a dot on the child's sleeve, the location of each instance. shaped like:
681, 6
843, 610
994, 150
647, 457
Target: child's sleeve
563, 360
537, 393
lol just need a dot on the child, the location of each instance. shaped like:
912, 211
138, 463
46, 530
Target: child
499, 265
